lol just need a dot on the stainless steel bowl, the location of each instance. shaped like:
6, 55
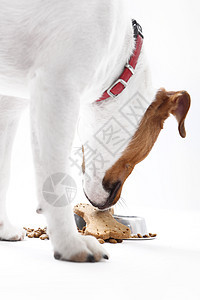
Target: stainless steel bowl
136, 224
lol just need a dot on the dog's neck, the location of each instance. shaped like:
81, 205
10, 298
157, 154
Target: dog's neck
121, 115
139, 89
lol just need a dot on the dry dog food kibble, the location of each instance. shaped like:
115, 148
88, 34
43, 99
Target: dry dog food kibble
101, 241
38, 233
112, 241
135, 236
31, 234
146, 236
152, 234
44, 237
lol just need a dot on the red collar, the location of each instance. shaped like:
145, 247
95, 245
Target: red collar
129, 69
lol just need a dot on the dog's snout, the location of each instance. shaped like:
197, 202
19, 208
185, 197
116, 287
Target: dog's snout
112, 190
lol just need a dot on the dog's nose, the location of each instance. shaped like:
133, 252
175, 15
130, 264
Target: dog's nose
112, 189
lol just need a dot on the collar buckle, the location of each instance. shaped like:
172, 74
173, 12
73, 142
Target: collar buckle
124, 83
137, 29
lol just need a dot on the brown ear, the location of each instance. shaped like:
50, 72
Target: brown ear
180, 104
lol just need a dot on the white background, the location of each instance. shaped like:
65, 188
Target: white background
164, 189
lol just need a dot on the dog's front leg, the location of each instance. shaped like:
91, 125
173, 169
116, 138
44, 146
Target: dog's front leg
10, 113
54, 114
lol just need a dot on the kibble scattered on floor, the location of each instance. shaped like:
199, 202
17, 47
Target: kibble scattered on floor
42, 234
37, 233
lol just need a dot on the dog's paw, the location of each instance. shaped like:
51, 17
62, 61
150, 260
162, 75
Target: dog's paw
80, 249
8, 232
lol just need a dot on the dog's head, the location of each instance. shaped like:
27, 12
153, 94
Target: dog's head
106, 191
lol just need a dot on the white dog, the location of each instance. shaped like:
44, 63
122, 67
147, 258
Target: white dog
62, 55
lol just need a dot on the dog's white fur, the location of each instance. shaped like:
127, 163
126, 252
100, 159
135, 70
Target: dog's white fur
61, 55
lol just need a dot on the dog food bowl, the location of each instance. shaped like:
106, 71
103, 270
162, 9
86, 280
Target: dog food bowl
137, 225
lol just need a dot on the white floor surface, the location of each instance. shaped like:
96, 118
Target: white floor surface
166, 268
